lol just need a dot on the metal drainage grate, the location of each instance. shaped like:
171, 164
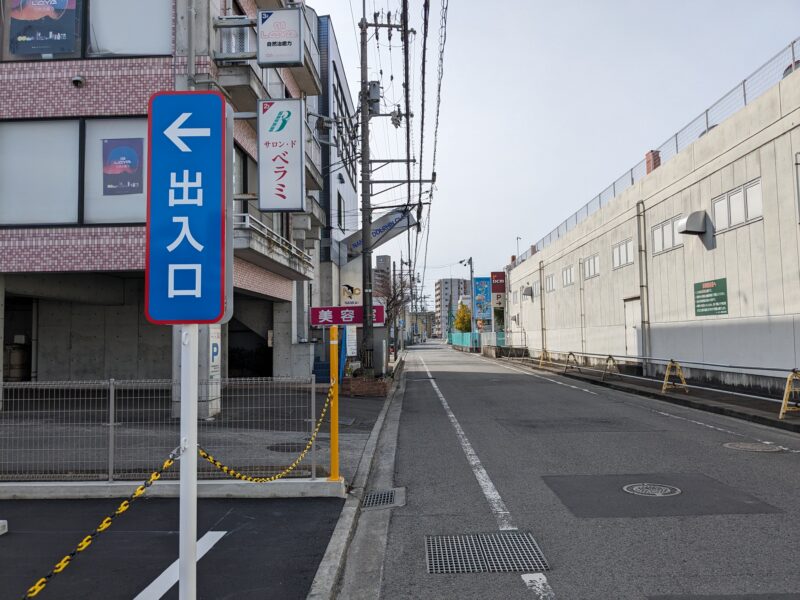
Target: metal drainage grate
378, 499
504, 552
752, 447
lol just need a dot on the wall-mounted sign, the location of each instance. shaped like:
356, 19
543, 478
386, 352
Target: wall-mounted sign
711, 298
325, 316
498, 300
281, 155
280, 38
498, 282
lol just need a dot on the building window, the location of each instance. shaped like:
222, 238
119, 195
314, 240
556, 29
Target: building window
124, 28
591, 266
537, 289
340, 210
568, 276
622, 254
41, 30
742, 205
666, 236
29, 195
516, 297
550, 283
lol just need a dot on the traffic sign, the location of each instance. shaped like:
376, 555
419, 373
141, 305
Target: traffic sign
186, 208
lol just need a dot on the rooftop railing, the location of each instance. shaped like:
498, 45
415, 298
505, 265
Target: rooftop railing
781, 65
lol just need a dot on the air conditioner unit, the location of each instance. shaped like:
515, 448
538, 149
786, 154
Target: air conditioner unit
234, 40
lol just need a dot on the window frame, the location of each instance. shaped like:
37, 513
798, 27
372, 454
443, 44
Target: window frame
620, 248
550, 283
662, 227
81, 149
83, 52
594, 271
568, 275
725, 200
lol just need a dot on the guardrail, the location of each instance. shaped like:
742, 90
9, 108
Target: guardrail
784, 63
117, 430
672, 367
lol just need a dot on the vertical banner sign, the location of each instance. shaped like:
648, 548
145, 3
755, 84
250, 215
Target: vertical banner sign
280, 38
483, 299
498, 289
186, 220
711, 297
281, 155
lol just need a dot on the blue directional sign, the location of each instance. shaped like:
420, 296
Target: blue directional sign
185, 279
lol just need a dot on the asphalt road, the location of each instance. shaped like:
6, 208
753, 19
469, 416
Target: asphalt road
551, 456
264, 548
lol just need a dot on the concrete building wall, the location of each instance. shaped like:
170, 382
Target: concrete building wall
88, 342
760, 259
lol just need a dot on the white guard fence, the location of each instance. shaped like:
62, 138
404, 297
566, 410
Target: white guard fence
121, 430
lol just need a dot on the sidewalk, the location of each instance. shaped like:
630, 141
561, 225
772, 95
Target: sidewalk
764, 412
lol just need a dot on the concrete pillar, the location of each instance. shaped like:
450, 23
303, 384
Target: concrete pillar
210, 365
652, 160
289, 358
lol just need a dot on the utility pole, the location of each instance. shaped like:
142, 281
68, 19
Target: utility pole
366, 210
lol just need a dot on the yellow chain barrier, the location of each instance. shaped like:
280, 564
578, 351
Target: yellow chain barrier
241, 476
59, 567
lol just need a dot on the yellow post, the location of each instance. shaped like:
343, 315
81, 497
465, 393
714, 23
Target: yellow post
675, 367
788, 393
334, 355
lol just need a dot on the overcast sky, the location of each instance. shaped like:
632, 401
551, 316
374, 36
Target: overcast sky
544, 104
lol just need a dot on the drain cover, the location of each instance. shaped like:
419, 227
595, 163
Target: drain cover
504, 552
752, 447
384, 498
376, 499
651, 490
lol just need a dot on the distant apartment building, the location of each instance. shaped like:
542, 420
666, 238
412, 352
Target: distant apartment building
382, 277
447, 293
73, 95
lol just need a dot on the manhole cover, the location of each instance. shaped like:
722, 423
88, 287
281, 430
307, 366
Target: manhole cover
752, 447
504, 552
651, 490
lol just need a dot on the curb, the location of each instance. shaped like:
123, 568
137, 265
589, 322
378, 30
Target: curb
330, 568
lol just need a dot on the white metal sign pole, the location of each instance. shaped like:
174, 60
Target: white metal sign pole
187, 549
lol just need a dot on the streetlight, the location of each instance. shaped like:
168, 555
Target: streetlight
465, 262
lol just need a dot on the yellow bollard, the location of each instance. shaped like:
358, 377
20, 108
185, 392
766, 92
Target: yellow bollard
334, 356
791, 390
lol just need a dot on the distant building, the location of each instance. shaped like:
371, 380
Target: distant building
382, 277
447, 294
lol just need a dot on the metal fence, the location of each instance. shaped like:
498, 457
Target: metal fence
120, 430
464, 339
784, 63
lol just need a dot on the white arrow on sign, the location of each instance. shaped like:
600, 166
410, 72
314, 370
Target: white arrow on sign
175, 133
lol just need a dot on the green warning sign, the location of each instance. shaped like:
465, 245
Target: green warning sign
711, 298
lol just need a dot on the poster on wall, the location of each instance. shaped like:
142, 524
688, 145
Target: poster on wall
42, 27
122, 166
482, 293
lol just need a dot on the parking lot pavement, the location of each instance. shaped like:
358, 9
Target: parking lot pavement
266, 549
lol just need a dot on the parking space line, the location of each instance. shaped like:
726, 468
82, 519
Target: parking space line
162, 584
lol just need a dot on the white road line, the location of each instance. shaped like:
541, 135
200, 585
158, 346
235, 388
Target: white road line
496, 503
162, 584
537, 583
574, 387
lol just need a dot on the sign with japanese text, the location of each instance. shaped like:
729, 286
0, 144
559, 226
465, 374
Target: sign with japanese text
381, 230
280, 38
281, 155
498, 282
186, 208
711, 298
324, 316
